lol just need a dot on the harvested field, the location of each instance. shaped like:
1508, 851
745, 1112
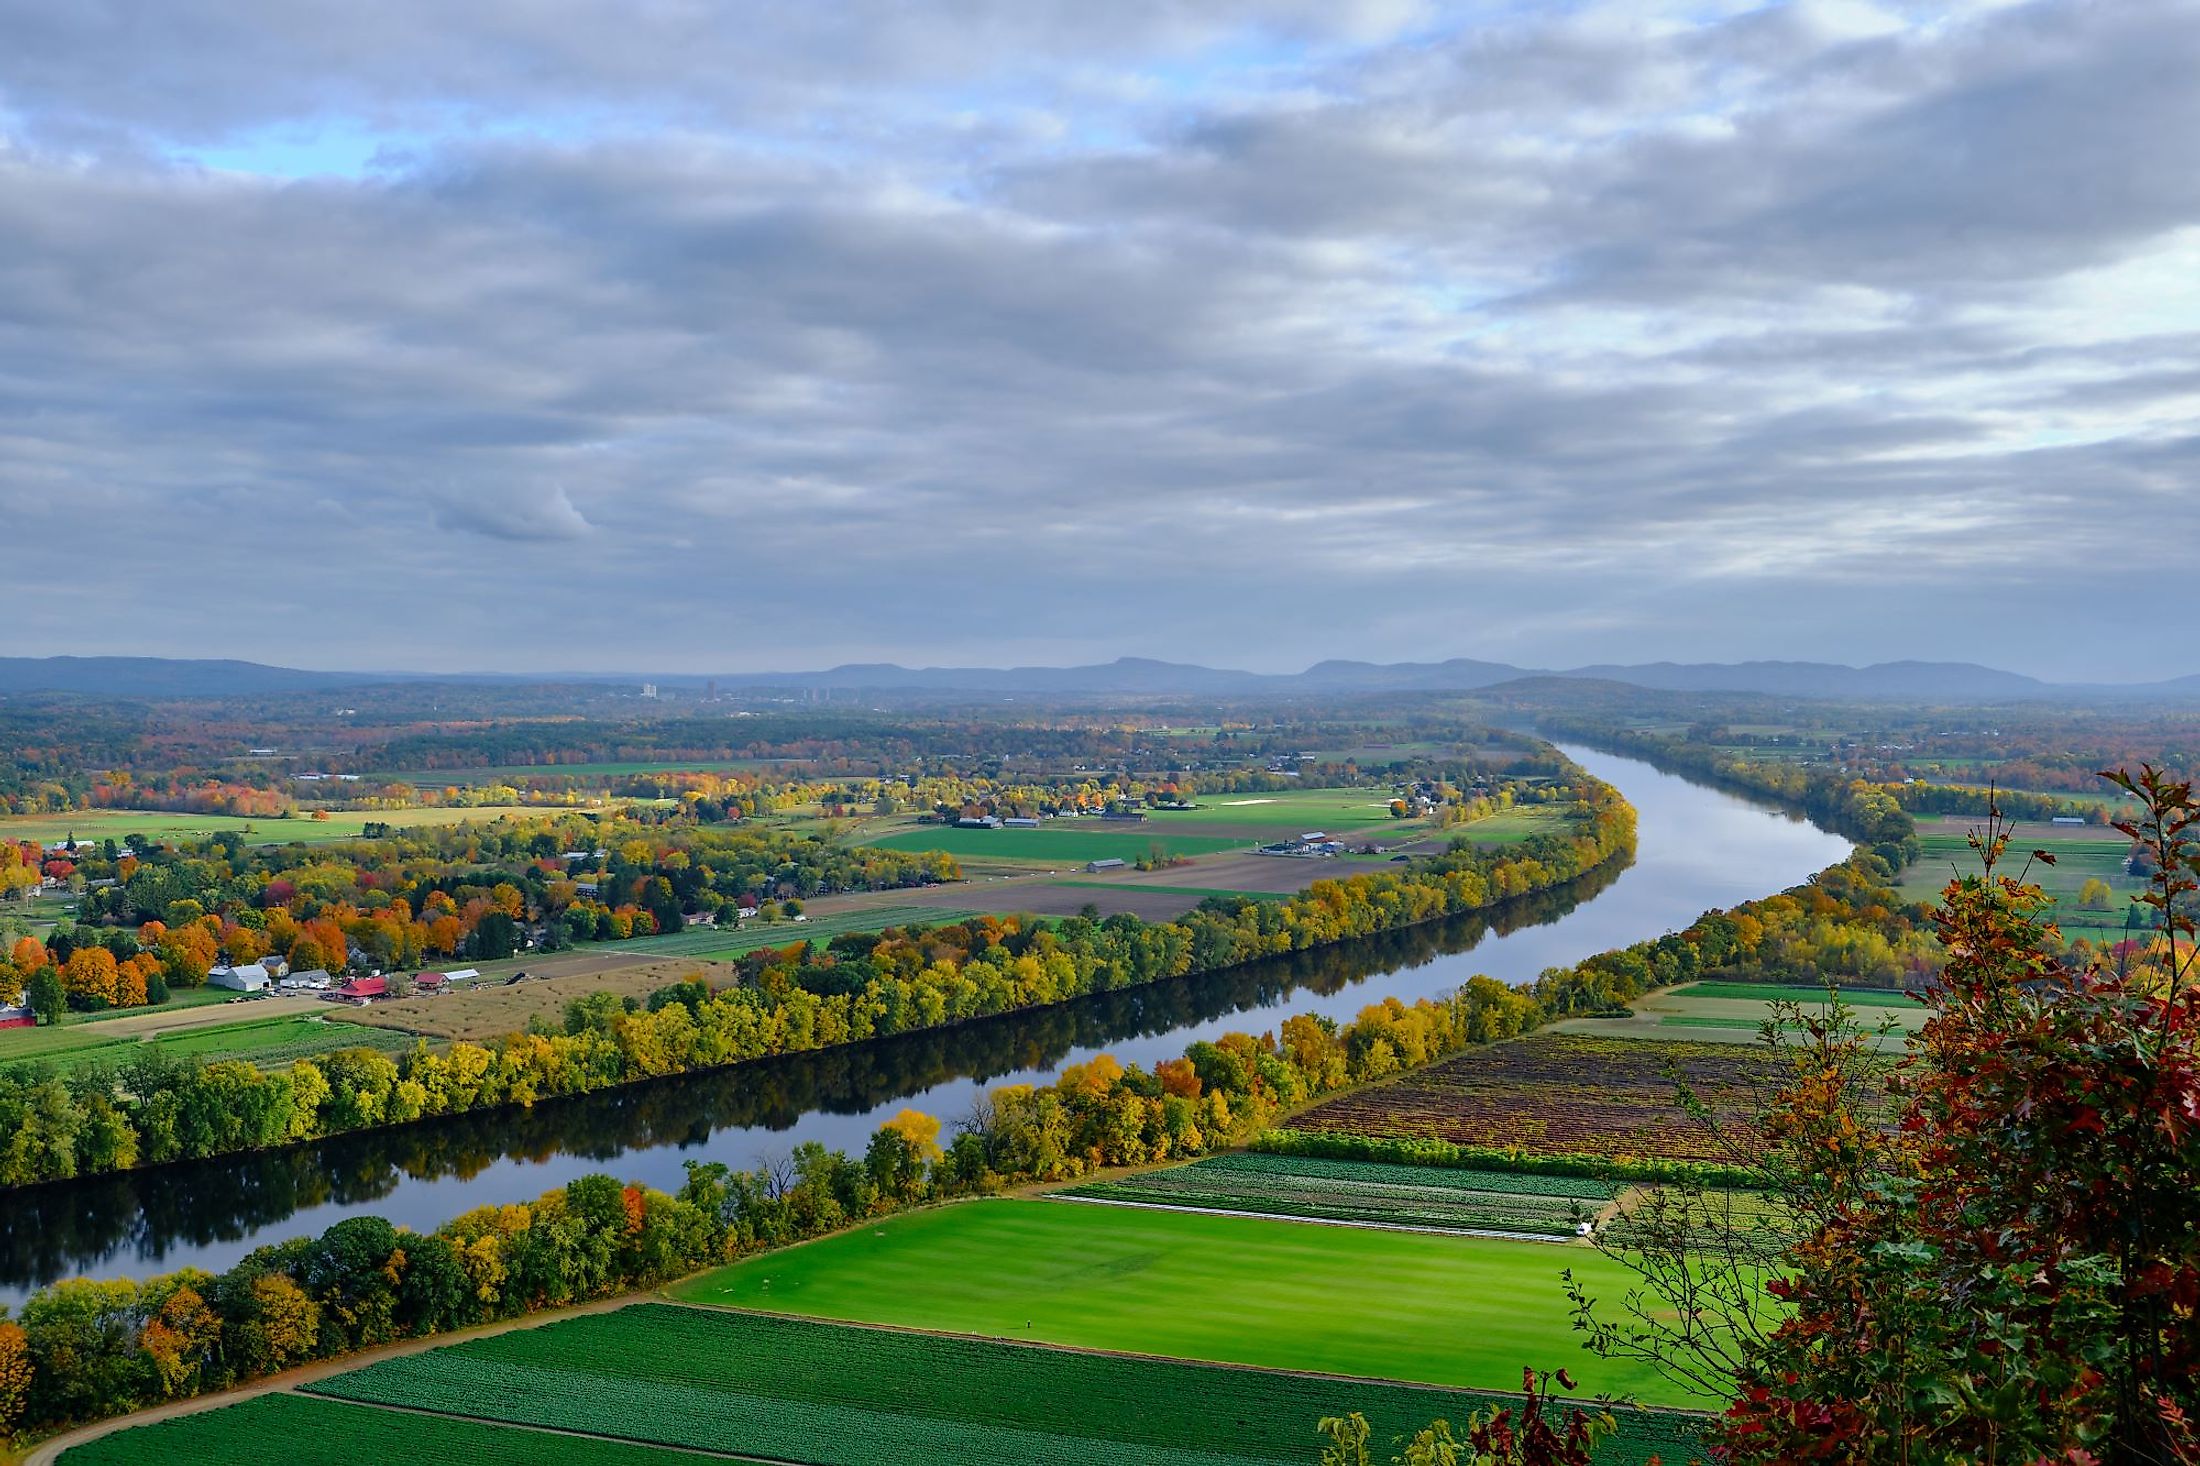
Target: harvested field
1072, 840
1273, 874
1554, 1094
488, 1009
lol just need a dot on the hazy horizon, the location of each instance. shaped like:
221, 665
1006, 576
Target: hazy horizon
1248, 333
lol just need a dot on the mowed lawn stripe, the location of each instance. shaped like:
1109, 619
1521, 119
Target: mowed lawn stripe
1465, 1312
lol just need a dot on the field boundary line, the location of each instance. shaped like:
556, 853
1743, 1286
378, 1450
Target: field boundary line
565, 1430
1012, 1342
1267, 1216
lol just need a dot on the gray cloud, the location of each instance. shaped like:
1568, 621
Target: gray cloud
1258, 333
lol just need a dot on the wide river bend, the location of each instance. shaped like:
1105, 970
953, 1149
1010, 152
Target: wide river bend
1697, 848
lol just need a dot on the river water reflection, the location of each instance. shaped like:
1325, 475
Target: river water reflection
1697, 848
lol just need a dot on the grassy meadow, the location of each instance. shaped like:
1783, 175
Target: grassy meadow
1465, 1312
270, 1040
2082, 853
94, 825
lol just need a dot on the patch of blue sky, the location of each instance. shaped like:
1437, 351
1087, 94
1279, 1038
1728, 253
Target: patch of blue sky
346, 147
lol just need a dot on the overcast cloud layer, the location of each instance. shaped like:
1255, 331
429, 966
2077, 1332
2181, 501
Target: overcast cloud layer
676, 336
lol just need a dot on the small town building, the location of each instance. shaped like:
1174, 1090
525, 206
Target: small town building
432, 982
311, 980
12, 1016
979, 822
361, 990
1017, 822
1113, 862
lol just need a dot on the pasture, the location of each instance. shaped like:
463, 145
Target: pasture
269, 1040
94, 825
1465, 1312
2082, 853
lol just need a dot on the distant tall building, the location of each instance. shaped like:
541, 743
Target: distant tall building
649, 689
710, 690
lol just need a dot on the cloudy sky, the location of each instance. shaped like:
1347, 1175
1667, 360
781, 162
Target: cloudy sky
685, 336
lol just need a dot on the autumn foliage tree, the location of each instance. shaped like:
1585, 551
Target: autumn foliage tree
2004, 1264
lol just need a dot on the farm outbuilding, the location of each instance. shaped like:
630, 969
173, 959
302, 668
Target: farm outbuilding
1111, 863
250, 978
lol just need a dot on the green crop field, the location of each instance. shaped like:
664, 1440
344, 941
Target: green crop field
290, 1430
270, 1042
1082, 840
1769, 992
94, 825
1365, 1192
792, 1389
1467, 1312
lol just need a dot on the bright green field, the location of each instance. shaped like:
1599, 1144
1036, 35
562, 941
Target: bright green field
290, 1430
1468, 1312
94, 825
790, 1389
2082, 853
1088, 840
266, 1041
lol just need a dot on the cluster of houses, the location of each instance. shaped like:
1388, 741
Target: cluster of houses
1122, 813
1313, 845
271, 977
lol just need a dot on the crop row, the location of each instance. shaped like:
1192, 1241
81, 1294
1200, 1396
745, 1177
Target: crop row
1254, 1163
1398, 1196
838, 1395
288, 1430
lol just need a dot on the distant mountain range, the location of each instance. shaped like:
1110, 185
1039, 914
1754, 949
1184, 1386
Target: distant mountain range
162, 677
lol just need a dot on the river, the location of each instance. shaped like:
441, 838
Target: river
1697, 848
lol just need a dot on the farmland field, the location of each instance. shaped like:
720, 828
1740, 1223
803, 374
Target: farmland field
1553, 1094
1085, 840
270, 1041
1365, 1192
1460, 1311
839, 1395
1733, 1012
291, 1430
113, 824
504, 773
2082, 853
